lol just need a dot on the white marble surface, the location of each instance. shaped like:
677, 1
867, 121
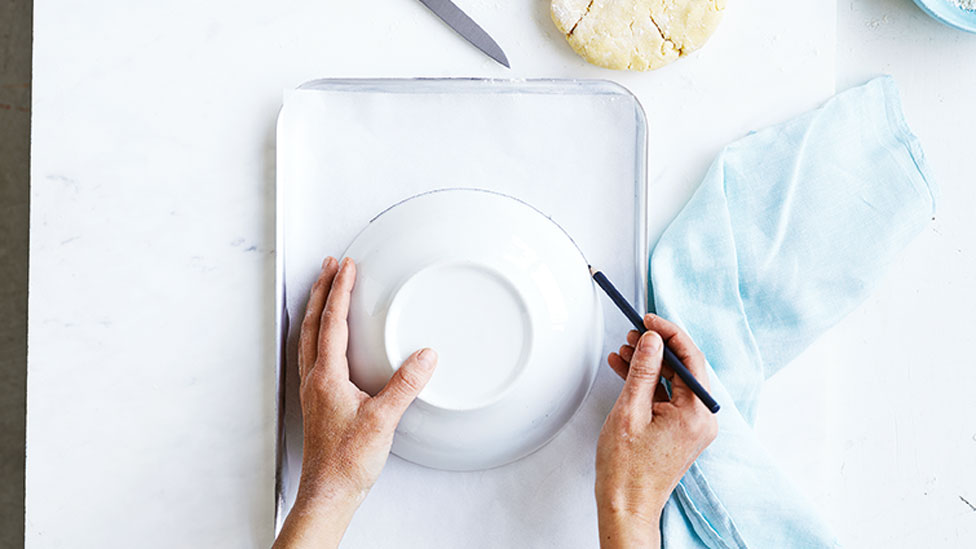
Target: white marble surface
889, 450
150, 382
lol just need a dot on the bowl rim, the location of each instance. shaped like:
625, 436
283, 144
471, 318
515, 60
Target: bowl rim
406, 446
945, 6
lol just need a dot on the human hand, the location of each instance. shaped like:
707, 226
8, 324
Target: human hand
649, 440
347, 433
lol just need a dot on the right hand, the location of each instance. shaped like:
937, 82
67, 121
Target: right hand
649, 440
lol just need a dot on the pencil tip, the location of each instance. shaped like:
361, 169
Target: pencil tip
592, 270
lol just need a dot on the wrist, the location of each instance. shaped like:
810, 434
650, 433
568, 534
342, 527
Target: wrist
631, 499
629, 516
319, 516
626, 528
331, 500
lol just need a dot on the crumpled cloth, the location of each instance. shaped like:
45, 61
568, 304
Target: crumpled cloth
788, 232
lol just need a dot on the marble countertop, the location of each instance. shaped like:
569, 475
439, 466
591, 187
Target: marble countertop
151, 321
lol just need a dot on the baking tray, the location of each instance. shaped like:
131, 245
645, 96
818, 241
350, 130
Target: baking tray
348, 148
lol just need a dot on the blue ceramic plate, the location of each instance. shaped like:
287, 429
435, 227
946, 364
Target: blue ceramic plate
949, 13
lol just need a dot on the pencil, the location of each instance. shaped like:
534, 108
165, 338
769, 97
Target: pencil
670, 359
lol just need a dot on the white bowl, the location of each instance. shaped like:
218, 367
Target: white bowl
504, 297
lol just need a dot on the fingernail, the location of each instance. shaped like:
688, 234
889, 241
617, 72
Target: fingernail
427, 357
327, 261
650, 342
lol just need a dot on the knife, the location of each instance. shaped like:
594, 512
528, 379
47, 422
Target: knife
467, 28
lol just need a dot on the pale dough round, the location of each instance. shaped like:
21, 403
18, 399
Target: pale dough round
637, 35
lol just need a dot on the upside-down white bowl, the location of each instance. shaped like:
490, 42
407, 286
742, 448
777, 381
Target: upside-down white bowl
504, 297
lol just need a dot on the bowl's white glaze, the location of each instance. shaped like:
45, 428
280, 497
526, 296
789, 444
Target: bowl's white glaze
504, 297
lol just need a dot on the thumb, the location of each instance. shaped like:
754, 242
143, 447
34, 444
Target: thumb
645, 369
407, 382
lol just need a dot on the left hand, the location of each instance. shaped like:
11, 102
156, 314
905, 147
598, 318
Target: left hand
347, 433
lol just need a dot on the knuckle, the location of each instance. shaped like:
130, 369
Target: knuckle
643, 370
316, 380
711, 429
702, 426
410, 381
318, 286
323, 348
710, 435
626, 424
688, 424
374, 417
697, 428
661, 409
328, 314
307, 391
641, 374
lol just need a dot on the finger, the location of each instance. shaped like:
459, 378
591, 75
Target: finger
632, 337
406, 383
334, 330
681, 394
308, 337
626, 352
681, 344
642, 377
618, 365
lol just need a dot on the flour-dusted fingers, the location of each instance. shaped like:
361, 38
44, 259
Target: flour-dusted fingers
334, 328
685, 349
618, 365
308, 337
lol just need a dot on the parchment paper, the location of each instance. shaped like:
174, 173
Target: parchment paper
575, 150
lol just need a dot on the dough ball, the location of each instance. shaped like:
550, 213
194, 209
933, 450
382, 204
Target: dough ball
637, 35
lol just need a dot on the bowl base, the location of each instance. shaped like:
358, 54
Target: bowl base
475, 319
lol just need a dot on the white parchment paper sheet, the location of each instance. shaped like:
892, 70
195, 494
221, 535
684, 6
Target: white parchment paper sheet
574, 150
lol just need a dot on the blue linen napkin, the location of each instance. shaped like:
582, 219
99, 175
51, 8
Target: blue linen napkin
787, 233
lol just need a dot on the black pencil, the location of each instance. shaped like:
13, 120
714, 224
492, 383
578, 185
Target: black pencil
669, 357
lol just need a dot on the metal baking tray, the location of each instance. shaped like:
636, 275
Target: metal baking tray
348, 148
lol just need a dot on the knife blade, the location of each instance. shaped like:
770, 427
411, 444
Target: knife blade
467, 28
